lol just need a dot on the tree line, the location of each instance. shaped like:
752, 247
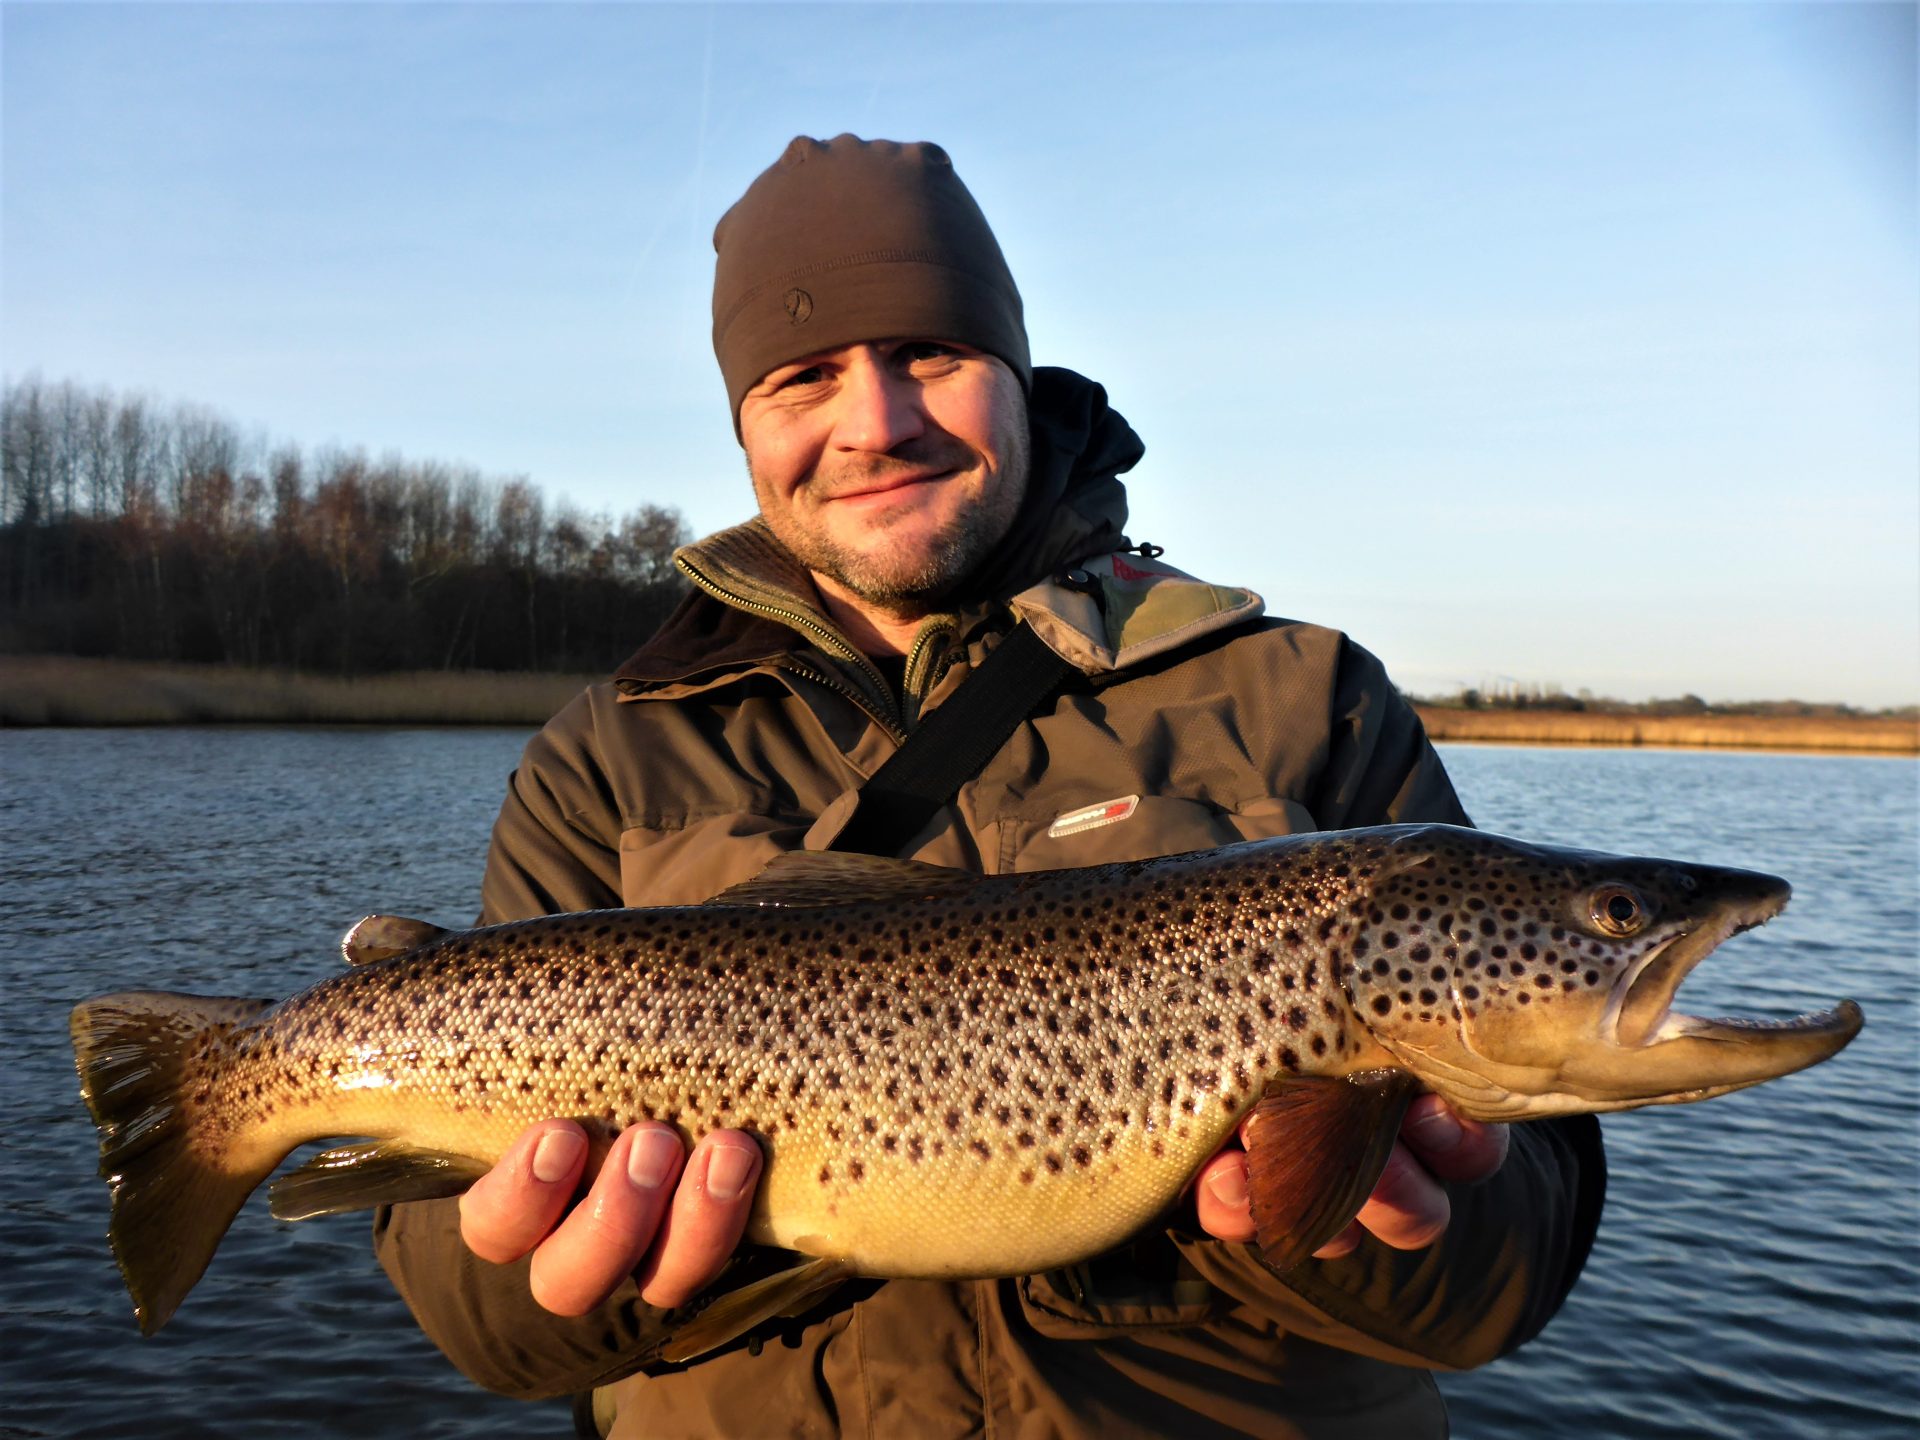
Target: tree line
135, 529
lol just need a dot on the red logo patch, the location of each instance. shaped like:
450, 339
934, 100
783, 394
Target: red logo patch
1123, 571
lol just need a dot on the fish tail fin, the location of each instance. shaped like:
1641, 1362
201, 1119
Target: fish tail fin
150, 1063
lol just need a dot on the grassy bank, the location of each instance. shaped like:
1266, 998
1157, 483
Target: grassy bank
1865, 733
61, 690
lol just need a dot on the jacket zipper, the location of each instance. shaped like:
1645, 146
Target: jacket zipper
840, 687
829, 640
912, 693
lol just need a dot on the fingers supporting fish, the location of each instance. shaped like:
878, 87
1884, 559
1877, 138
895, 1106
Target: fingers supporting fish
1451, 1147
516, 1204
1345, 1243
1407, 1209
1221, 1199
603, 1238
704, 1224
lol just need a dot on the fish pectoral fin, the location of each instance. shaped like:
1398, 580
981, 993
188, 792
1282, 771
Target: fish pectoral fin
1315, 1147
378, 1172
381, 937
823, 877
789, 1292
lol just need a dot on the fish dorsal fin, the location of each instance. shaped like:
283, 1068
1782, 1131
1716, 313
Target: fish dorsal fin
381, 937
1315, 1147
827, 877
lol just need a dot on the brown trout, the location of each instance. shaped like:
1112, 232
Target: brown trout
952, 1075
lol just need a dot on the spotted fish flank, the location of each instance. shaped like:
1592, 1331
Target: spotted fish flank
953, 1075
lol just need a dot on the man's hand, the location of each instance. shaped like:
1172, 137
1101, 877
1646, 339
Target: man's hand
670, 1219
1408, 1210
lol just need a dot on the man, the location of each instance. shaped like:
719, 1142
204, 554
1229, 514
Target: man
921, 487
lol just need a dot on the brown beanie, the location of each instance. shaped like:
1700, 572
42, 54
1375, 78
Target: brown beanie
847, 240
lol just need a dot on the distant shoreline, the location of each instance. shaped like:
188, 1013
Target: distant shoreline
1863, 734
64, 690
59, 690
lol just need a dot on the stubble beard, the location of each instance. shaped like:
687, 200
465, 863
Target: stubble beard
906, 579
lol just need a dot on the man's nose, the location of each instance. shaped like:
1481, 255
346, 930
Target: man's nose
878, 409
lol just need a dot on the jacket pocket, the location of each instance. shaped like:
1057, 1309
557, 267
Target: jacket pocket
686, 864
1147, 1285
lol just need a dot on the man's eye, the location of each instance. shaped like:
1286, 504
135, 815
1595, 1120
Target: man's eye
926, 350
812, 375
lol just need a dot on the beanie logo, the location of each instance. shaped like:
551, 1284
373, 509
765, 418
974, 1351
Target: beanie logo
799, 306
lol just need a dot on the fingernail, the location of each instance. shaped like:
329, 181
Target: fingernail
727, 1168
1229, 1186
651, 1158
554, 1156
1438, 1132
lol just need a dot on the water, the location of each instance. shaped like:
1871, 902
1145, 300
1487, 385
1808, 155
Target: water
1756, 1275
1758, 1270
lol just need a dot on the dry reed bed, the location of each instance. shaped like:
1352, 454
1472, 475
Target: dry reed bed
1881, 735
62, 690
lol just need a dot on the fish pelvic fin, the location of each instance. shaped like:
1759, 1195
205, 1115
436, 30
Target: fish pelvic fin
1315, 1147
788, 1292
143, 1057
378, 1172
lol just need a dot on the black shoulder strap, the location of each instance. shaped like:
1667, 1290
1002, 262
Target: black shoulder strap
953, 743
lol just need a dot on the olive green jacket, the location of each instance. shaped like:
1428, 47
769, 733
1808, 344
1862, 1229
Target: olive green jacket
743, 730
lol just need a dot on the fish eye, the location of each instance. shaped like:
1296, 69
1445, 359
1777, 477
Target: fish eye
1618, 911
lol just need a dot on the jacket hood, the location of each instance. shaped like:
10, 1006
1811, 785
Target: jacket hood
1076, 505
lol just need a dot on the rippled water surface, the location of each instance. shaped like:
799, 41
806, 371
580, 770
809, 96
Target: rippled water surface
1756, 1275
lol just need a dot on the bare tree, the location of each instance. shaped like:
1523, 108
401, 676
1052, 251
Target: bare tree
131, 528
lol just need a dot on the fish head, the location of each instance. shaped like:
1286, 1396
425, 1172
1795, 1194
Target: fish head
1521, 980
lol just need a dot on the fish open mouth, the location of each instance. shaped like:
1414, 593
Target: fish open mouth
1643, 1013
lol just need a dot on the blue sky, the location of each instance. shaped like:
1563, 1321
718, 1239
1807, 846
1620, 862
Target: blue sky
1571, 344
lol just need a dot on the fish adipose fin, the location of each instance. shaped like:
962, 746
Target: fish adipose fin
733, 1314
381, 937
359, 1177
1315, 1147
142, 1056
821, 877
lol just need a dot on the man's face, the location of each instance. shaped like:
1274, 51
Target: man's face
891, 468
